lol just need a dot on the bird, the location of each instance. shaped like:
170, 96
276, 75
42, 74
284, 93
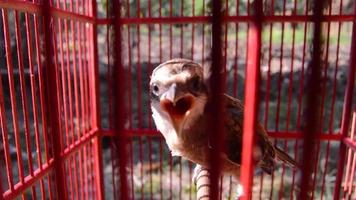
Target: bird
179, 97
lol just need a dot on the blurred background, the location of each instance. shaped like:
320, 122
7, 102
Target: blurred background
152, 32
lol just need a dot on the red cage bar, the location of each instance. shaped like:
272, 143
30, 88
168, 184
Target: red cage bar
74, 108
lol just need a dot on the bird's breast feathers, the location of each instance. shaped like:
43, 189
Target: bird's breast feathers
164, 125
173, 139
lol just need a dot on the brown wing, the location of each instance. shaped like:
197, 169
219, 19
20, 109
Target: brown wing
264, 152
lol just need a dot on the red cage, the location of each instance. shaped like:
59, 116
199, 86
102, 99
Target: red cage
74, 109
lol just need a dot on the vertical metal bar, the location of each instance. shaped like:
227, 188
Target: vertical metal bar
91, 182
331, 121
132, 168
51, 91
160, 32
351, 183
86, 69
98, 160
41, 86
63, 80
181, 55
74, 60
34, 106
75, 175
290, 88
33, 89
300, 93
139, 98
40, 74
161, 171
83, 104
170, 157
296, 142
216, 108
149, 57
280, 73
72, 160
236, 64
193, 32
81, 75
23, 88
139, 72
346, 113
181, 32
130, 107
86, 172
81, 180
150, 163
113, 166
42, 99
118, 75
324, 94
221, 181
280, 193
12, 94
349, 173
251, 98
312, 109
70, 102
192, 58
23, 91
109, 73
268, 94
141, 168
5, 137
225, 33
203, 38
1, 187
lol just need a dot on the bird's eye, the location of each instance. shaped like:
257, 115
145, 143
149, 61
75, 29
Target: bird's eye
155, 89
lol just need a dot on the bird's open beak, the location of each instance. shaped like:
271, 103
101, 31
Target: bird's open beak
177, 104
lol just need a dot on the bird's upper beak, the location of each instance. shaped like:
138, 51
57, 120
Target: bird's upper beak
177, 104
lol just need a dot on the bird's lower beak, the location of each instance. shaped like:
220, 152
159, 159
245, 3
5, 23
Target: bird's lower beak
178, 107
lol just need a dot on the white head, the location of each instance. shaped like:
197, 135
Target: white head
178, 95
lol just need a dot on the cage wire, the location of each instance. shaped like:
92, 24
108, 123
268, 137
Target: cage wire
75, 113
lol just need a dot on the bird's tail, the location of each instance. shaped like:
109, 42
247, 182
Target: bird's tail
283, 156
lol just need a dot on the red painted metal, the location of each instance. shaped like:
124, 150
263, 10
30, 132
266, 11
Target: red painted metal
12, 93
51, 93
20, 188
24, 99
251, 99
216, 105
119, 112
98, 160
171, 30
312, 109
5, 139
240, 18
346, 111
350, 168
297, 135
